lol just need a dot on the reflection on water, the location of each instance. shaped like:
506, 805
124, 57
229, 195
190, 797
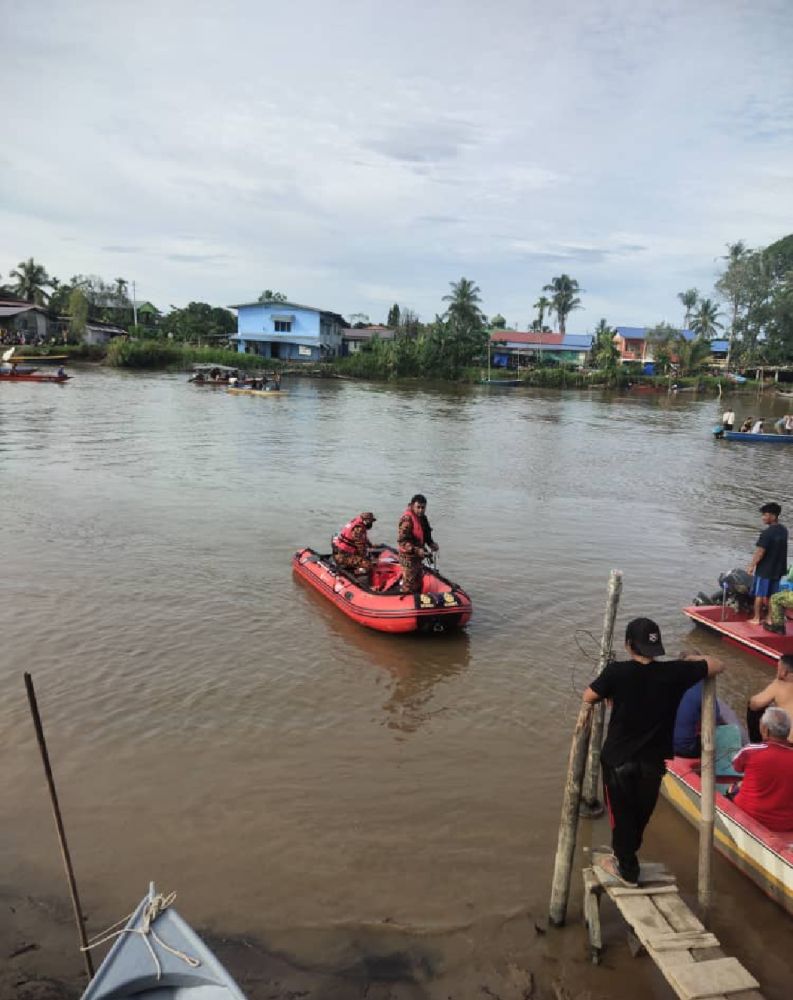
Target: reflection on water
219, 727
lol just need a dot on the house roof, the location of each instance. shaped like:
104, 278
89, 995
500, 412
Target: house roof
293, 305
640, 332
367, 332
719, 345
15, 308
542, 341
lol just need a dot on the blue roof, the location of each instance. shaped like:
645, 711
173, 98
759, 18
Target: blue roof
580, 341
719, 345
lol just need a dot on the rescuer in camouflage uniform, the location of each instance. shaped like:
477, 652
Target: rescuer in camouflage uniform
414, 541
351, 545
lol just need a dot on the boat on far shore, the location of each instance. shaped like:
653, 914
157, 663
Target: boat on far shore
15, 368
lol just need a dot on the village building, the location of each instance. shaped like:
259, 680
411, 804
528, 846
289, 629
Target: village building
634, 345
354, 339
514, 349
23, 322
288, 331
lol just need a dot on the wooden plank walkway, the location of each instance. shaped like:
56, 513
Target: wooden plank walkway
688, 955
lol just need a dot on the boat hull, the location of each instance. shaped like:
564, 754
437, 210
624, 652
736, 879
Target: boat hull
443, 606
257, 392
130, 970
31, 377
757, 438
734, 627
762, 855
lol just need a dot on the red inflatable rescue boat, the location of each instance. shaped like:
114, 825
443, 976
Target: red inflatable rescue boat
440, 607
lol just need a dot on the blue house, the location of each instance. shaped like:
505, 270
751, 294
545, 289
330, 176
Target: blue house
288, 331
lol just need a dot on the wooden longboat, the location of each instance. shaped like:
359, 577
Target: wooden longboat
761, 854
754, 438
736, 628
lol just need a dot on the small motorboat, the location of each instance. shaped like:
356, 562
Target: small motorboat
14, 368
720, 433
158, 956
377, 603
761, 854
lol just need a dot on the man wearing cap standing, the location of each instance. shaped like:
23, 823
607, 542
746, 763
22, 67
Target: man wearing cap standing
769, 562
351, 546
414, 542
644, 695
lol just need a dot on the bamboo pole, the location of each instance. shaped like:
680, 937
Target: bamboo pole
568, 824
591, 805
56, 811
708, 790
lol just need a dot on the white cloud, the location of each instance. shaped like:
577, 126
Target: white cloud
352, 153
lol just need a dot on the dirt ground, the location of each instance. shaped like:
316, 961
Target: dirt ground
39, 960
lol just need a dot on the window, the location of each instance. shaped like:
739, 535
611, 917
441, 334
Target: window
283, 326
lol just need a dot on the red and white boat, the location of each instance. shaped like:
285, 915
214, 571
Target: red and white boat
377, 603
19, 369
764, 856
736, 628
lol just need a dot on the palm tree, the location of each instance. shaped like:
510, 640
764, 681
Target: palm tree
464, 302
542, 305
31, 280
605, 351
705, 323
691, 354
689, 298
564, 299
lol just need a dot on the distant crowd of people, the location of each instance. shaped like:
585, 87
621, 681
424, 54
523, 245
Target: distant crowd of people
784, 425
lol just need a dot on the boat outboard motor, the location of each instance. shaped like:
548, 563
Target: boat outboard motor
735, 592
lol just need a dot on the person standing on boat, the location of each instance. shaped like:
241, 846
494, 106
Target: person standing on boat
769, 562
415, 543
766, 791
351, 546
645, 695
728, 419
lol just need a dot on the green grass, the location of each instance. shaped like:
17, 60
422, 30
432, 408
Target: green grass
159, 354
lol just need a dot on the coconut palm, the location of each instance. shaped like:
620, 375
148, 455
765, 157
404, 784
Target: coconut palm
464, 301
692, 355
542, 305
689, 298
606, 354
31, 280
564, 298
705, 322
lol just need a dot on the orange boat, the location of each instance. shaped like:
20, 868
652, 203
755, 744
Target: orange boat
737, 628
377, 603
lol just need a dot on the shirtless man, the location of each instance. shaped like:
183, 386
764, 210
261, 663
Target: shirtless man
779, 692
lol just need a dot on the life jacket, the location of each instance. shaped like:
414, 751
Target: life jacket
418, 531
345, 541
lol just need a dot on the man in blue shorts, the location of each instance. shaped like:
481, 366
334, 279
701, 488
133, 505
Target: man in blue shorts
769, 562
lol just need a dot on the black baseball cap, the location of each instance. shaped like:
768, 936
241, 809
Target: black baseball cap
644, 636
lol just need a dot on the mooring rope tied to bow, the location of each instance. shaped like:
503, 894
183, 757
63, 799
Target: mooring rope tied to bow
156, 905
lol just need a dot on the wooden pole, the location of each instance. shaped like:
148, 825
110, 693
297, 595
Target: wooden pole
56, 811
590, 803
708, 789
568, 824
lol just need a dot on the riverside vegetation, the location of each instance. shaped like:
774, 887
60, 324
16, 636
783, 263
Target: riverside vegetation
755, 285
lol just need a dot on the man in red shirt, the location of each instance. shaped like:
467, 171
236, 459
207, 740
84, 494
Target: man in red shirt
766, 792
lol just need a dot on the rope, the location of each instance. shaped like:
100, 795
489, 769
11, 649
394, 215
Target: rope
154, 907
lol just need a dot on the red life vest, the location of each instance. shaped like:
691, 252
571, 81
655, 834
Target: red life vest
418, 531
345, 541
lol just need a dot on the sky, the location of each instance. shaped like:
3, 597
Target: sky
356, 153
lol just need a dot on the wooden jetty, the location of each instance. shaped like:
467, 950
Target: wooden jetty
688, 955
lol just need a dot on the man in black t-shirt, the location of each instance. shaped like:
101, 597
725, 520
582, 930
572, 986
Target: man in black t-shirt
644, 696
769, 562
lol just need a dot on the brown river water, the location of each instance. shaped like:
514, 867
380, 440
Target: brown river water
352, 800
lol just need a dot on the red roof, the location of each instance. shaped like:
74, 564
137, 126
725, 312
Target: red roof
540, 339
